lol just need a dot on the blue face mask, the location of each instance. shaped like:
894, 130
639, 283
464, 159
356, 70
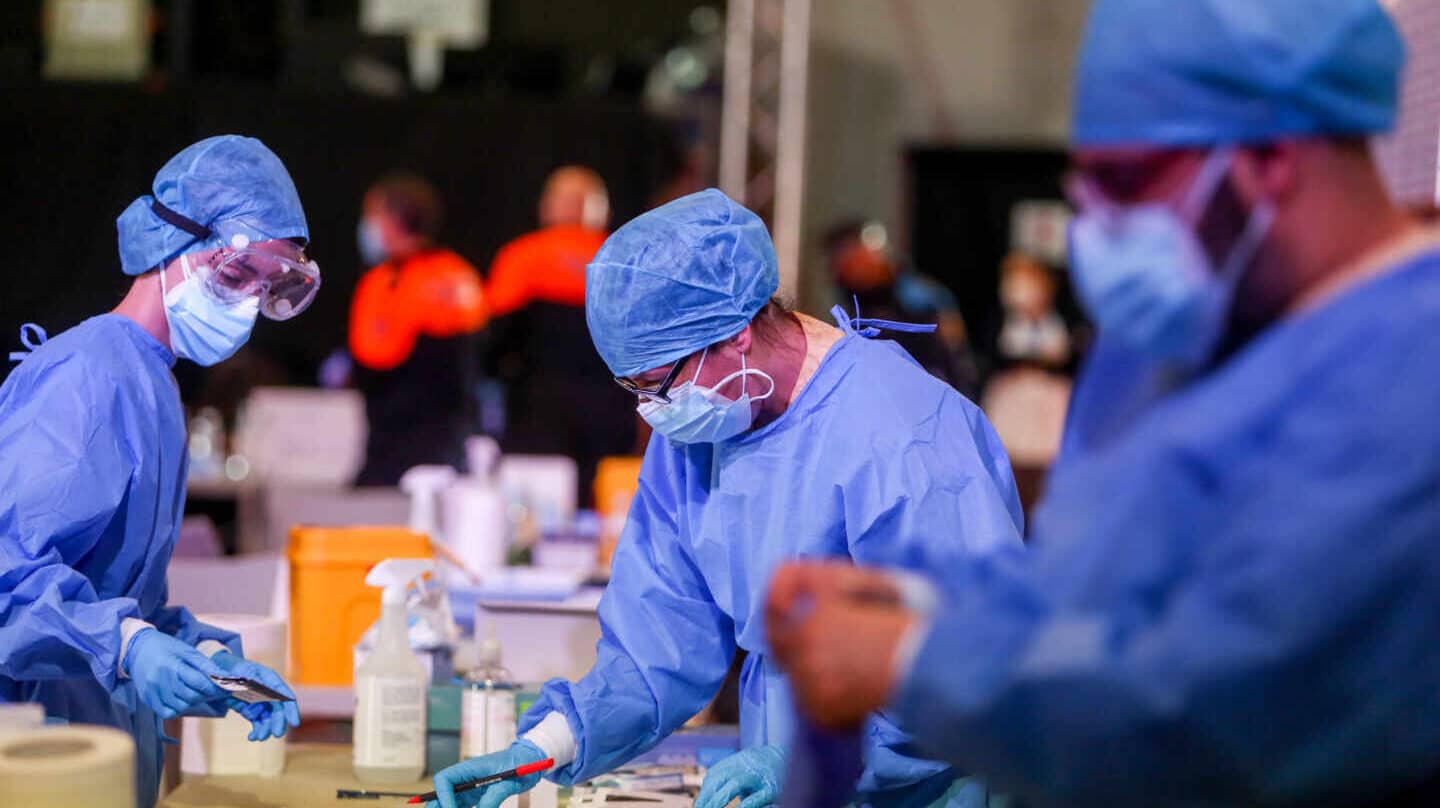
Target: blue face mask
700, 414
202, 328
372, 246
1145, 278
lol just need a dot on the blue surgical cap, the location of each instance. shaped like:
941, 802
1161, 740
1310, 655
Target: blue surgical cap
683, 276
233, 185
1206, 72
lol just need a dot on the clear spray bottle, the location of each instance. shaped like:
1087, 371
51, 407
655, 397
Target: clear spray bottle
391, 686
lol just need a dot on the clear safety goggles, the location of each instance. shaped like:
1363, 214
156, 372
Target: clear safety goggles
284, 286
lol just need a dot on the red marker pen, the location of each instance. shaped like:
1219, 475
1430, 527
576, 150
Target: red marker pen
521, 771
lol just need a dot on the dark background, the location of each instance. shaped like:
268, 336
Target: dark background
960, 200
77, 156
558, 81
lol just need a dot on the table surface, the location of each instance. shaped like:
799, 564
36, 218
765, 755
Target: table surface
312, 774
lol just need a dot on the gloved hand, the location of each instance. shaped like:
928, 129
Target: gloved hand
519, 753
267, 719
752, 774
170, 676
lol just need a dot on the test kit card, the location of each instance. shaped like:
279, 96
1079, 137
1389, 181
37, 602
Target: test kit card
248, 690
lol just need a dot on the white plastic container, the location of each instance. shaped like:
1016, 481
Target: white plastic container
391, 686
211, 746
425, 484
476, 526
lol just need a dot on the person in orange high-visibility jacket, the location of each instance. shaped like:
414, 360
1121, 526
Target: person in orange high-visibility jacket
539, 346
414, 324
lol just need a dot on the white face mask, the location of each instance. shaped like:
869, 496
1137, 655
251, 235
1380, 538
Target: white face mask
700, 414
203, 329
371, 243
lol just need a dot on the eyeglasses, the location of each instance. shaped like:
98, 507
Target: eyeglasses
1118, 182
285, 286
660, 394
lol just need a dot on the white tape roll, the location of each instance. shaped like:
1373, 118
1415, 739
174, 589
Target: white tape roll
221, 745
60, 767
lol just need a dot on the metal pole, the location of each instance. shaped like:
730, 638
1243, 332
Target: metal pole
790, 146
735, 110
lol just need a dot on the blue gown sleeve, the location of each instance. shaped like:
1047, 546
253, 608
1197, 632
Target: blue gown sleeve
664, 647
1257, 633
64, 472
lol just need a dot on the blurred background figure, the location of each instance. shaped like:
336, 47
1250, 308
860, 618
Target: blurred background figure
559, 397
414, 325
863, 264
1033, 330
1027, 396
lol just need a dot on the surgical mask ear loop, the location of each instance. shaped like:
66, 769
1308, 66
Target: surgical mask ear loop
1207, 181
184, 271
743, 373
756, 372
165, 269
1262, 215
695, 380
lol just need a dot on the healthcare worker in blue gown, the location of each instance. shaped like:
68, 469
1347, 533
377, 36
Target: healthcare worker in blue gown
776, 437
1233, 590
93, 457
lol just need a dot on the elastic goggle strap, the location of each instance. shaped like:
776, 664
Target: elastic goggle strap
180, 220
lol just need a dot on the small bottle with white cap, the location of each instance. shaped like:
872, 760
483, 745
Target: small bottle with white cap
488, 704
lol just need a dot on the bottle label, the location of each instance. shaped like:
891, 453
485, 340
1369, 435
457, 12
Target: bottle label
390, 722
487, 721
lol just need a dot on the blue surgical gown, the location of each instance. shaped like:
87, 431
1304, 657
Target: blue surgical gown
1232, 599
92, 487
874, 460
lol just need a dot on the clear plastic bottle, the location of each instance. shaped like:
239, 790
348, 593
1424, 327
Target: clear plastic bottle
488, 717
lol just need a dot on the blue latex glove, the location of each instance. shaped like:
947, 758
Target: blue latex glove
170, 676
519, 753
267, 719
753, 775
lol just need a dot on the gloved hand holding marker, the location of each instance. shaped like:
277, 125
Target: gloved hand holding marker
518, 774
